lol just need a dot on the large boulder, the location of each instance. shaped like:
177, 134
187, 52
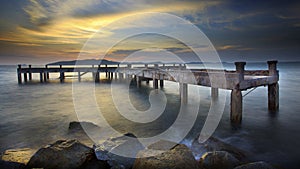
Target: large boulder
218, 160
11, 165
64, 154
255, 165
120, 151
178, 157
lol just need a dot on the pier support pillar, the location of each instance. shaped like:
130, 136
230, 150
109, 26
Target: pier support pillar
45, 76
79, 76
236, 106
47, 73
214, 93
62, 76
273, 89
25, 77
273, 97
161, 83
138, 81
29, 73
97, 77
155, 82
240, 68
41, 77
19, 74
183, 87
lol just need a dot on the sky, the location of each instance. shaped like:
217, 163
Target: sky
43, 31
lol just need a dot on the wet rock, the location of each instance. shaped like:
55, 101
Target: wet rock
179, 157
63, 154
218, 160
120, 152
255, 165
11, 165
20, 155
214, 144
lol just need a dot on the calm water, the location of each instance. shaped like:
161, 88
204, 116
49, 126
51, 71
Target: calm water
35, 114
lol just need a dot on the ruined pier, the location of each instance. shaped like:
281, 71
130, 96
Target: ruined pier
237, 80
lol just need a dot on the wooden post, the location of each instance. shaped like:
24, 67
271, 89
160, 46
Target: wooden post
146, 66
183, 87
240, 68
147, 81
273, 89
214, 92
29, 73
236, 106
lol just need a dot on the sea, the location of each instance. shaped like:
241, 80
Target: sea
35, 114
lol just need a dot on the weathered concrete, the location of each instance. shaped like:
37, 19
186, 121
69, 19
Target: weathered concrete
236, 106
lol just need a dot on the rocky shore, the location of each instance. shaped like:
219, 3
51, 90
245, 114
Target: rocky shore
72, 154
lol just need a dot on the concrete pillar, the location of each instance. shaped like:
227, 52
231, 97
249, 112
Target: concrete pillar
79, 76
240, 68
41, 77
106, 71
138, 81
183, 87
19, 74
47, 73
161, 83
45, 76
236, 106
29, 73
214, 92
25, 77
273, 89
146, 66
155, 82
273, 97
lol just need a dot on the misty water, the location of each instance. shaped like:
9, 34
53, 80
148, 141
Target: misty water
36, 114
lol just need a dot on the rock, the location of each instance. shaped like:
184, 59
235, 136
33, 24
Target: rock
11, 165
76, 126
214, 144
77, 130
20, 155
110, 150
255, 165
218, 160
179, 157
63, 154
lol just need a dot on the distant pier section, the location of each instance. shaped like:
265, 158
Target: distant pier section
237, 81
